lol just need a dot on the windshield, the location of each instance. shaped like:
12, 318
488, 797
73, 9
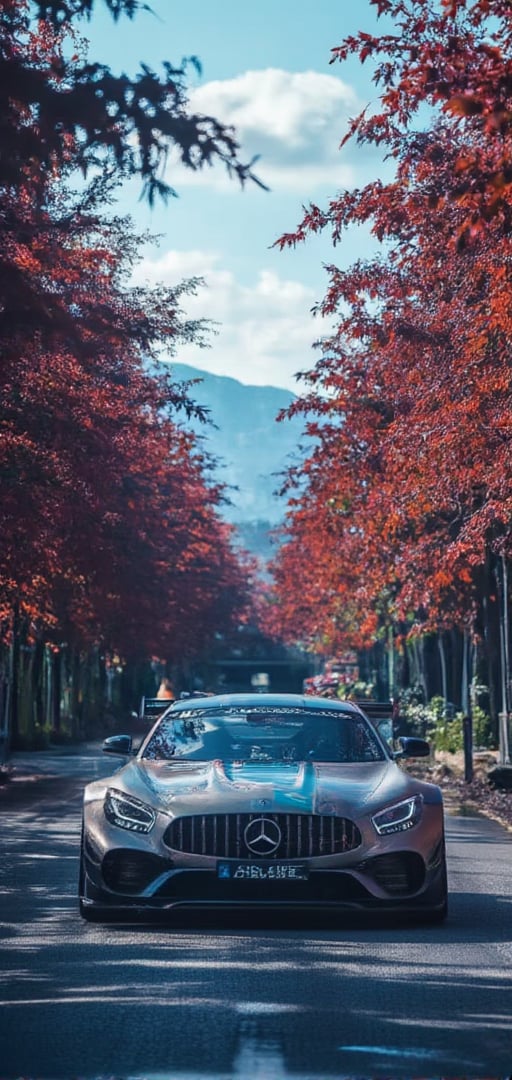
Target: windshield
263, 735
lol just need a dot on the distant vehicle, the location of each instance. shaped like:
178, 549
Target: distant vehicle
337, 673
267, 801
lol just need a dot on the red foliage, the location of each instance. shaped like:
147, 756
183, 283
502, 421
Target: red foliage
109, 526
410, 486
51, 99
456, 58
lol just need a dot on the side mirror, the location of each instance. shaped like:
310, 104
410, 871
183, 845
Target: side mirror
411, 747
118, 744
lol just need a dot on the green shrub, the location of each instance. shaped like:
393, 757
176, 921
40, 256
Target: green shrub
414, 715
42, 737
38, 739
444, 734
444, 731
482, 729
358, 690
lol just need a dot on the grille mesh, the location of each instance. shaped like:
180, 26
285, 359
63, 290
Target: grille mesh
302, 835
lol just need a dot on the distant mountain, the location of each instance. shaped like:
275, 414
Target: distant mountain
252, 447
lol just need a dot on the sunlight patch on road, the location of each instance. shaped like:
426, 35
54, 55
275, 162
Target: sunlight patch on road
205, 965
485, 1022
504, 949
277, 1073
262, 1008
420, 1054
114, 997
393, 1051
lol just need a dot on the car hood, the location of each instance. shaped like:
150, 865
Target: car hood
217, 787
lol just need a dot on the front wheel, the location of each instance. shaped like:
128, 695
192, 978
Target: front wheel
87, 911
436, 916
90, 909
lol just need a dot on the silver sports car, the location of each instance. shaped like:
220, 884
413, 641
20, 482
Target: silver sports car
262, 800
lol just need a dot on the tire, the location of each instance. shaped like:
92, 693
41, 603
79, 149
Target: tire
93, 912
87, 911
89, 914
436, 916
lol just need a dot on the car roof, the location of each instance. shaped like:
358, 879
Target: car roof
265, 701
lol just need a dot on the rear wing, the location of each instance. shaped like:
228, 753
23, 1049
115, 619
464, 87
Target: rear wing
375, 709
151, 708
383, 715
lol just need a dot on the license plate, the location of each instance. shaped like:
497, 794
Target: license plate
262, 871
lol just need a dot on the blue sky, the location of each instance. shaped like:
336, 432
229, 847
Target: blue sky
265, 68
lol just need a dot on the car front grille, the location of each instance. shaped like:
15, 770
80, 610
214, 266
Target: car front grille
224, 835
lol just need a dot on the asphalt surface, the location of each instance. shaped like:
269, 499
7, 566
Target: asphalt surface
241, 997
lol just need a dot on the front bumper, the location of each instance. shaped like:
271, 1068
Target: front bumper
134, 879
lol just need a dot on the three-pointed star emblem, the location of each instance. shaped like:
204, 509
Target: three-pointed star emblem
262, 836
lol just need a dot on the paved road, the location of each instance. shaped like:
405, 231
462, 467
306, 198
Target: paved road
242, 998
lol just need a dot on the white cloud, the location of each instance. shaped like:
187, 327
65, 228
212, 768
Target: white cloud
266, 330
293, 120
290, 108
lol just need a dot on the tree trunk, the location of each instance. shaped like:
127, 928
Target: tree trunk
391, 663
442, 661
5, 705
418, 649
464, 685
501, 575
56, 680
506, 633
38, 683
14, 678
491, 638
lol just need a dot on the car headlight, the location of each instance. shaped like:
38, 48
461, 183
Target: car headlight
127, 812
400, 817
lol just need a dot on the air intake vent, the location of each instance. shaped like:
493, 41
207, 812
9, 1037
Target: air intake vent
130, 872
398, 874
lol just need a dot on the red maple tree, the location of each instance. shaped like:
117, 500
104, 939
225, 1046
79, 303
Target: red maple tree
410, 484
110, 524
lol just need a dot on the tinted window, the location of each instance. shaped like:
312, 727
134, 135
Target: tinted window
263, 735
